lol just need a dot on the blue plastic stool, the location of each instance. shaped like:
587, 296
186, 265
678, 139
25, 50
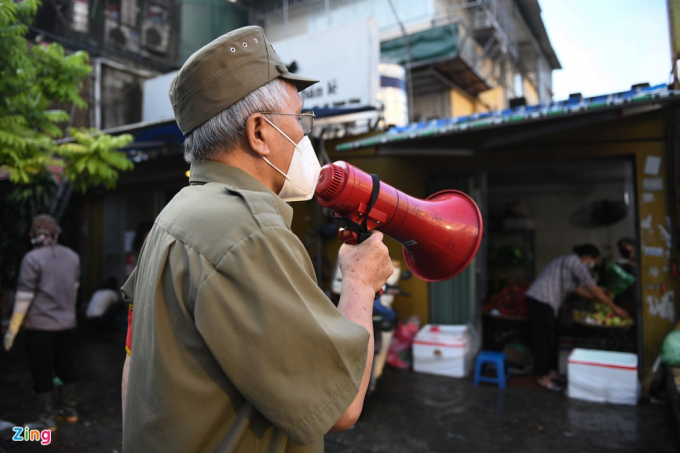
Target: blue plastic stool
499, 362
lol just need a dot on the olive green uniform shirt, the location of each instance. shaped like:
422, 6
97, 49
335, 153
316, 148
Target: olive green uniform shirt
235, 347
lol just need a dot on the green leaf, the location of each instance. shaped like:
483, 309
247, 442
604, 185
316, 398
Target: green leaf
34, 78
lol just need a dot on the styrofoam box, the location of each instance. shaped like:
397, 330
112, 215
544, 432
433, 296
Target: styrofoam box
603, 376
442, 349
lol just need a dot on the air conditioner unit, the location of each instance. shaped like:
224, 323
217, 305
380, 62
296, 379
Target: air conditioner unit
120, 37
155, 37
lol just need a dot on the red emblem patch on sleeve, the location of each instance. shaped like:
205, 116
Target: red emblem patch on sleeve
128, 338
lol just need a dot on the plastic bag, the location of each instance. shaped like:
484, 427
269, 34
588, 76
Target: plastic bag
670, 351
618, 280
399, 355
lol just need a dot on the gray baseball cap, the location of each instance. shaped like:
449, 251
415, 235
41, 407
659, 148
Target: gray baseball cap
223, 72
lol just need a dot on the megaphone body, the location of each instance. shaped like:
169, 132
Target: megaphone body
440, 234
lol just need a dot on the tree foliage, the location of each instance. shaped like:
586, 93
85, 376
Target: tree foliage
32, 78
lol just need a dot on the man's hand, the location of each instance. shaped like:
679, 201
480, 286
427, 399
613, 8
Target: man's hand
367, 263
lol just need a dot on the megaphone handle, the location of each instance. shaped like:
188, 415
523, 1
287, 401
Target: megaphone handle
355, 233
353, 237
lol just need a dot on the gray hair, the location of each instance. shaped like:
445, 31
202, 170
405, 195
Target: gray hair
223, 131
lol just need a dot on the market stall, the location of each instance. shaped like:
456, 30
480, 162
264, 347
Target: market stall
540, 216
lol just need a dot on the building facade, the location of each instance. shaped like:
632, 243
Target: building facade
461, 57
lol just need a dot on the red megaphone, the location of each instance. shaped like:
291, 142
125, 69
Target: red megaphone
440, 234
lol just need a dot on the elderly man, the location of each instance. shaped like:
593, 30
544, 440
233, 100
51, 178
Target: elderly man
233, 346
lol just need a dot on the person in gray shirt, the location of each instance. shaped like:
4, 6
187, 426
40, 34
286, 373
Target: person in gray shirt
46, 306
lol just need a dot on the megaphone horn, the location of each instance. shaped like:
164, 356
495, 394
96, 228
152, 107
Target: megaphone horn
440, 234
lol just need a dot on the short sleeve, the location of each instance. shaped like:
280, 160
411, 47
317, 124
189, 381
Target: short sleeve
278, 337
128, 288
581, 273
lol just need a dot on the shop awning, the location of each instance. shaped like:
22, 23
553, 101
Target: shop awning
435, 43
573, 112
165, 133
151, 134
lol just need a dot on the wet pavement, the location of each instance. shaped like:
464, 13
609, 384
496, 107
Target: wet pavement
412, 412
100, 356
409, 412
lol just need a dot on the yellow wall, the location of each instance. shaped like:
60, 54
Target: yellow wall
493, 98
462, 104
529, 92
659, 285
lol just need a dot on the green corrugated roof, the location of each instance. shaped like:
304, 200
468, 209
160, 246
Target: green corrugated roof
575, 105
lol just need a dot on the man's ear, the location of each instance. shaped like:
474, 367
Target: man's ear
256, 134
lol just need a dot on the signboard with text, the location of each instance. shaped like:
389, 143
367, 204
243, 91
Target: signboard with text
344, 59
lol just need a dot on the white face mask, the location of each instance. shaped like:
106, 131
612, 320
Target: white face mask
303, 171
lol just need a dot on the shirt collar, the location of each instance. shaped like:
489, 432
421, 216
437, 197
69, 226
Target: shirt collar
205, 171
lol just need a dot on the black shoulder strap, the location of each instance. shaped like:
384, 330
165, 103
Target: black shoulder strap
361, 229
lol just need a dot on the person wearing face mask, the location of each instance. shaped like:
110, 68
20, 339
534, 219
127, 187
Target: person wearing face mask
561, 277
45, 306
232, 346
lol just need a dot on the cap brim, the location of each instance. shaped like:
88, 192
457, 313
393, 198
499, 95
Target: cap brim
300, 82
